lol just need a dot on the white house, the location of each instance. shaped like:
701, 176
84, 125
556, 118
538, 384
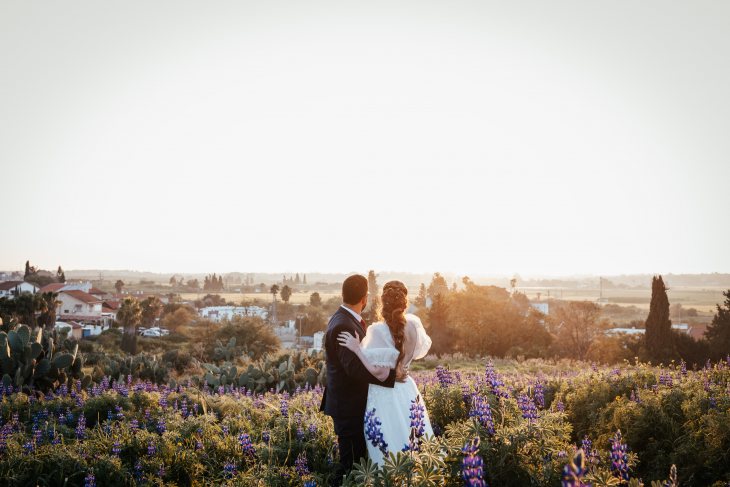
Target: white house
78, 305
317, 342
218, 313
10, 289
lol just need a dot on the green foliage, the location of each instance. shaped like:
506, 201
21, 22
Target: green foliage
718, 333
285, 373
39, 359
658, 338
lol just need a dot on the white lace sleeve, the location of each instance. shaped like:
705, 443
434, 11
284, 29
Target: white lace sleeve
377, 348
382, 357
423, 341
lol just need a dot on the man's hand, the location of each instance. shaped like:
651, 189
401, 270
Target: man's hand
401, 373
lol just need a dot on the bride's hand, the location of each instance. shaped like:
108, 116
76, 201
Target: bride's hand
349, 341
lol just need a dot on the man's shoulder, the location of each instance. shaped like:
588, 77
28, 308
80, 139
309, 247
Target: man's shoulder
339, 320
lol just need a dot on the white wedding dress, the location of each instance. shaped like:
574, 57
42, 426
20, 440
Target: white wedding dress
393, 405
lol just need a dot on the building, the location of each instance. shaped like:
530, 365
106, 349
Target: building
79, 306
10, 289
219, 313
75, 330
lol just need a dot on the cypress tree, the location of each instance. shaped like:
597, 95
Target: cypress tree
658, 338
718, 333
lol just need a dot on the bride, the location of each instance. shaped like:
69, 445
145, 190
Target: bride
392, 343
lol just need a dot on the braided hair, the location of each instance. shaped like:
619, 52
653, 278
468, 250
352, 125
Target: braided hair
395, 303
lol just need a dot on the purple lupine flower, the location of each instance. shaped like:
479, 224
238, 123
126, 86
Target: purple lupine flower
151, 449
492, 379
81, 427
472, 465
417, 416
683, 367
28, 447
284, 407
560, 406
246, 445
444, 376
313, 429
161, 472
138, 471
225, 430
300, 465
300, 433
373, 432
482, 412
229, 470
90, 480
528, 408
310, 483
619, 458
575, 471
116, 449
539, 395
134, 425
161, 426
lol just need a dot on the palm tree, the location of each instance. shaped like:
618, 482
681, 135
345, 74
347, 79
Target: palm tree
129, 317
274, 319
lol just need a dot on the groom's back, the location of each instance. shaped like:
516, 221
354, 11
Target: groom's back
345, 396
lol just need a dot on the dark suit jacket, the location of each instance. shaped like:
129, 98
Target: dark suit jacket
346, 392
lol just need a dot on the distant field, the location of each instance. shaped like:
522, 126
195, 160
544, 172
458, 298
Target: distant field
703, 299
236, 298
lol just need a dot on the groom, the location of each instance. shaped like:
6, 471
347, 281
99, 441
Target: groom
346, 394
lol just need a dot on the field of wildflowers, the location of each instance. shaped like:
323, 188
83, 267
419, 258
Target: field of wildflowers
513, 424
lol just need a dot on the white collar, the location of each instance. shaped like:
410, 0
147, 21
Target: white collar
357, 316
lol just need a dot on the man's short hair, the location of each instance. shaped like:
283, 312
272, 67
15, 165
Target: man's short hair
354, 289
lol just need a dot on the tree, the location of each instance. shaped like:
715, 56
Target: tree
60, 275
28, 270
576, 325
438, 286
181, 317
421, 298
718, 332
129, 316
119, 285
442, 335
372, 312
253, 337
173, 281
151, 308
304, 279
658, 337
315, 300
193, 284
285, 293
274, 290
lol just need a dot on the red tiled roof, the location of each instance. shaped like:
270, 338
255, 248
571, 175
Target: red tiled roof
8, 285
95, 290
113, 305
104, 309
53, 287
82, 296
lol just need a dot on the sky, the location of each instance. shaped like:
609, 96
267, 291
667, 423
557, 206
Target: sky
475, 137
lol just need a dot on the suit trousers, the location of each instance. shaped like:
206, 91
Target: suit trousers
351, 442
